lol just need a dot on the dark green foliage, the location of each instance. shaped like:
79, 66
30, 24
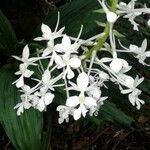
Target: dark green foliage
8, 39
24, 131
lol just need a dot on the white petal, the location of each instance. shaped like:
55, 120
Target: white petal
20, 110
126, 91
77, 114
48, 98
46, 52
75, 62
72, 101
28, 73
59, 32
106, 59
147, 54
82, 81
132, 99
46, 77
41, 105
144, 45
83, 110
18, 105
129, 81
116, 65
25, 53
46, 30
39, 39
58, 60
70, 73
16, 57
89, 101
20, 82
139, 81
138, 105
96, 93
66, 43
26, 88
27, 105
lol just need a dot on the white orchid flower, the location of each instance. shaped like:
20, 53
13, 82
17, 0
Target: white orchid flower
25, 57
47, 33
134, 100
67, 63
21, 106
64, 112
45, 99
83, 101
131, 12
49, 82
139, 52
25, 98
24, 72
130, 83
117, 65
66, 46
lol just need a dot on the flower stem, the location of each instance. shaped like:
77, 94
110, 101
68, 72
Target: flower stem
102, 39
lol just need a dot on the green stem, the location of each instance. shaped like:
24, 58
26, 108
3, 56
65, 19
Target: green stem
102, 39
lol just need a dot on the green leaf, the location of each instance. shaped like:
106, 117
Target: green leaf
110, 112
8, 39
24, 131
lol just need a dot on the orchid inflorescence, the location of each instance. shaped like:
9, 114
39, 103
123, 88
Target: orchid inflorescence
72, 60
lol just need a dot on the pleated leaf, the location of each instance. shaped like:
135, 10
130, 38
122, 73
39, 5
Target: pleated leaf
23, 131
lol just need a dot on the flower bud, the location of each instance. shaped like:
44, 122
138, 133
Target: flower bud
111, 17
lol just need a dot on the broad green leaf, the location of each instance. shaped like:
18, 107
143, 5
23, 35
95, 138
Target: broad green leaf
24, 131
8, 39
110, 112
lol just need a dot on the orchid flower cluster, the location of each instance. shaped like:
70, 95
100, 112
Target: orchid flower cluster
79, 68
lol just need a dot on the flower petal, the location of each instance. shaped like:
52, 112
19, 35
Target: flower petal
82, 81
59, 61
147, 54
66, 43
75, 62
116, 65
20, 82
47, 33
77, 114
48, 98
106, 59
72, 101
46, 76
83, 110
89, 101
70, 73
46, 52
28, 73
39, 39
144, 45
25, 53
41, 105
